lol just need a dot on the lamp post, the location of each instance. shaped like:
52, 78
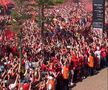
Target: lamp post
41, 25
20, 50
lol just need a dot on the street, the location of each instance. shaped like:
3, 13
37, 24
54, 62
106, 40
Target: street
96, 82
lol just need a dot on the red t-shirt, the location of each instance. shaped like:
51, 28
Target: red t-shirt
75, 61
43, 67
81, 61
103, 54
25, 86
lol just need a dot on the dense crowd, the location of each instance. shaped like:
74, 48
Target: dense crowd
69, 52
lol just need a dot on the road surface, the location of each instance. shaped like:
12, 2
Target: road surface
96, 82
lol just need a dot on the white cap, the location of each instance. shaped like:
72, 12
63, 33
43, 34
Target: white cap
50, 77
98, 48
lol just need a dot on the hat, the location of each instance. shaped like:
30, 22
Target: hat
50, 77
98, 48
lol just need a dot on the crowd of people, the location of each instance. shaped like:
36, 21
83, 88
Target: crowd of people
68, 52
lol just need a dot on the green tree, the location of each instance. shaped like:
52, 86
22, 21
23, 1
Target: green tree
20, 14
42, 19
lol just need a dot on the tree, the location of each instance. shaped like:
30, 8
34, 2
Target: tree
42, 19
20, 14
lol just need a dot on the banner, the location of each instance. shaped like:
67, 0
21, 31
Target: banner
98, 14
